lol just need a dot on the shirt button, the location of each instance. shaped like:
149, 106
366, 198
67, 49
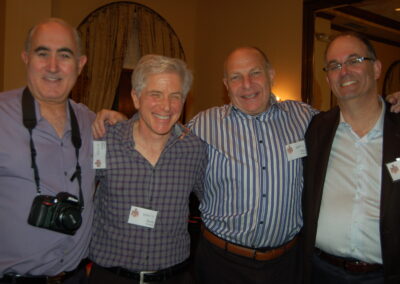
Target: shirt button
263, 168
260, 141
262, 222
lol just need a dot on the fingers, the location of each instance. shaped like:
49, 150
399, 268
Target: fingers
105, 116
394, 99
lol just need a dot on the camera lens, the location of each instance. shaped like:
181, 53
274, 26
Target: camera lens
70, 218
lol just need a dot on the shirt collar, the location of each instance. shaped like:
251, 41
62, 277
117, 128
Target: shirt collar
39, 116
378, 127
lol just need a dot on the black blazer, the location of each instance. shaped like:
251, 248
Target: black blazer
319, 139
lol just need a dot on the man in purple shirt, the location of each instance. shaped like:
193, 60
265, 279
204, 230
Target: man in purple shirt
153, 163
45, 147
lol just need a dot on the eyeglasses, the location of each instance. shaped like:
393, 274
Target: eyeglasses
354, 61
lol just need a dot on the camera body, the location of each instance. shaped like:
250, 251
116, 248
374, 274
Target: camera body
60, 213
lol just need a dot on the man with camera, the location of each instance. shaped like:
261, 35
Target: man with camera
46, 176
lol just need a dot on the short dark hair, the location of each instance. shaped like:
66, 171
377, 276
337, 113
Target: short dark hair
370, 48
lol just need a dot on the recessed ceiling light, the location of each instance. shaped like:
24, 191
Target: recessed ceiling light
397, 9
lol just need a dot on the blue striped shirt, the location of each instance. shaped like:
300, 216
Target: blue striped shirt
252, 192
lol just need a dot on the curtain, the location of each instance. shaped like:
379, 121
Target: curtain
104, 41
105, 34
156, 36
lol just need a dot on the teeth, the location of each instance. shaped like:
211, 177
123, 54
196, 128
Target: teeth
162, 116
52, 78
348, 83
250, 96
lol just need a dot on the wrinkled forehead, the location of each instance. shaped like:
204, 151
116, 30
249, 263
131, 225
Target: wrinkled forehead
53, 35
242, 59
344, 47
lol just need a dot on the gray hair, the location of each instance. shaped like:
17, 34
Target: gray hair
28, 39
156, 64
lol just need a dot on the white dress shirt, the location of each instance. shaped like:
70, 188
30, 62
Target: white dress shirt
348, 223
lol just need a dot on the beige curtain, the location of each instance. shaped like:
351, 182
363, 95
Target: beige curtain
156, 36
105, 35
104, 38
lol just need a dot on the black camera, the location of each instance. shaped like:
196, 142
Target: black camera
61, 213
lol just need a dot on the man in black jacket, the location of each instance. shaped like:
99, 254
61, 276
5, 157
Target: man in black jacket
352, 189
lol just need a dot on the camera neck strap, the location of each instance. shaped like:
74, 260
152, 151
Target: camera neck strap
29, 120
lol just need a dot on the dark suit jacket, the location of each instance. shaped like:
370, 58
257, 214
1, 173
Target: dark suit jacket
319, 139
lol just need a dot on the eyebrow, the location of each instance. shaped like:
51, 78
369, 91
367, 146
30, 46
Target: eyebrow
63, 49
350, 56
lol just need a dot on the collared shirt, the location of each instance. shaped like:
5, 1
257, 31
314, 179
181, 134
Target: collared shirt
348, 223
130, 180
252, 191
25, 249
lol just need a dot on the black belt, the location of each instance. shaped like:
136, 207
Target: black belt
350, 265
152, 276
42, 279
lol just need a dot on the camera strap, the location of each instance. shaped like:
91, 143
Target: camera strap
29, 120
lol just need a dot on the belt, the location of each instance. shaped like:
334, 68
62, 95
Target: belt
247, 252
149, 276
42, 279
353, 266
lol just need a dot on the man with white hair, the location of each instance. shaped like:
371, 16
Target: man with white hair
153, 163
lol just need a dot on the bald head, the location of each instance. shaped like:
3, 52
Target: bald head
240, 51
74, 32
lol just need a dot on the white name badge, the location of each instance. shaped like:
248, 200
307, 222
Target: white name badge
142, 217
394, 170
296, 150
99, 154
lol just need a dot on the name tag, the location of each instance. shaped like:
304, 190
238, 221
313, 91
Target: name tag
99, 154
142, 217
296, 150
394, 170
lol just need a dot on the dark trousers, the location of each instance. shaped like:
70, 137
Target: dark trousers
78, 277
216, 266
326, 273
100, 275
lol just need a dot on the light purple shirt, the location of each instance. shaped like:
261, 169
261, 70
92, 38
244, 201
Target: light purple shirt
25, 249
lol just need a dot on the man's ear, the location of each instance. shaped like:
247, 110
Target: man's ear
377, 68
271, 75
81, 63
24, 56
135, 99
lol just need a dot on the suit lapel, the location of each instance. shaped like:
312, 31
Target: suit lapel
326, 134
391, 151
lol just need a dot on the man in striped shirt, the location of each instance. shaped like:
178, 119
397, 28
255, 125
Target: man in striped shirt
251, 206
